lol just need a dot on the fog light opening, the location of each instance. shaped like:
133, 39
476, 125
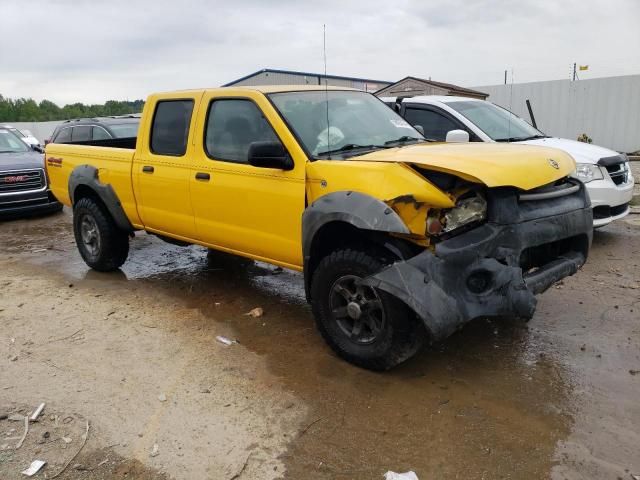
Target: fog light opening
479, 281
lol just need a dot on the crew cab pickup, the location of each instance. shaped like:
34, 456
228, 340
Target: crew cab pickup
401, 240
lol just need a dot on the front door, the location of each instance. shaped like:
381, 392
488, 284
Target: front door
238, 207
162, 169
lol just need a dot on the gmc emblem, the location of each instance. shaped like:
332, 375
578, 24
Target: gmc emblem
15, 179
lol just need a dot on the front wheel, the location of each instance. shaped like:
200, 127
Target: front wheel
365, 326
102, 245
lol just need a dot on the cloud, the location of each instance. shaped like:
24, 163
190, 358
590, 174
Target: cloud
90, 51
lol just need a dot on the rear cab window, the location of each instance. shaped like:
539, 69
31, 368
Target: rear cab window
170, 127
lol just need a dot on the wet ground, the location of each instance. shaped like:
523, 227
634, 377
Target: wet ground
135, 354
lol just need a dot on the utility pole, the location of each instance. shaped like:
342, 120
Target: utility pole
574, 72
505, 77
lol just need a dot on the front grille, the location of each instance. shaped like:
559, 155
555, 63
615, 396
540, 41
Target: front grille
619, 172
21, 181
605, 211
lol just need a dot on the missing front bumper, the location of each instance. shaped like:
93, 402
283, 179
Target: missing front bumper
493, 270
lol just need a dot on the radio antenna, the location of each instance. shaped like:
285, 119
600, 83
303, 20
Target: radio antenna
326, 88
510, 107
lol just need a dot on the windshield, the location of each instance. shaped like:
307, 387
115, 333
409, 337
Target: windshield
125, 130
17, 132
10, 143
355, 122
500, 124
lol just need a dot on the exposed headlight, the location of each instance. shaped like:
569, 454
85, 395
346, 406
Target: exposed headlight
466, 211
587, 172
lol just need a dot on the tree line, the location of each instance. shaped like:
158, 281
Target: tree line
28, 110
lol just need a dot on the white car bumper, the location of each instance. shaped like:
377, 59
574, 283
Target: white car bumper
608, 200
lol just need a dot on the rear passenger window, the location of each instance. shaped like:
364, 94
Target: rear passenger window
170, 129
232, 125
81, 134
100, 133
63, 136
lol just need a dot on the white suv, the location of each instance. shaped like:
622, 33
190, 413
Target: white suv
606, 172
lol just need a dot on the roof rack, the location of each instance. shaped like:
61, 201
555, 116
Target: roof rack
126, 115
97, 119
91, 119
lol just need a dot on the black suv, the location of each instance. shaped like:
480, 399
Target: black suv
24, 188
96, 130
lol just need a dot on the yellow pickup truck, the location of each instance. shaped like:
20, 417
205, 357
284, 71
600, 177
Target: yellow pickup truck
401, 240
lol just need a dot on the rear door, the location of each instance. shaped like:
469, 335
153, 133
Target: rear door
162, 166
239, 207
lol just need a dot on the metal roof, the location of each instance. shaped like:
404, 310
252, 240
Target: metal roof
302, 74
449, 86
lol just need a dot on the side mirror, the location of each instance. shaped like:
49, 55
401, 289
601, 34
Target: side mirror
419, 129
457, 136
37, 148
269, 155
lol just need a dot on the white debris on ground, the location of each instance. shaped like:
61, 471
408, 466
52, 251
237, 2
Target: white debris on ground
400, 476
225, 340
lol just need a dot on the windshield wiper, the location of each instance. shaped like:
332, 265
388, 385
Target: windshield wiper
520, 139
7, 151
403, 139
533, 137
348, 147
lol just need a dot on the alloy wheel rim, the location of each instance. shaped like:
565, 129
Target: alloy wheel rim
90, 235
357, 310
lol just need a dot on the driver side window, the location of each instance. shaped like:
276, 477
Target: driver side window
232, 126
434, 124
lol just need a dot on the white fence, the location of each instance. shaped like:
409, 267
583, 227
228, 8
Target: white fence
40, 130
606, 109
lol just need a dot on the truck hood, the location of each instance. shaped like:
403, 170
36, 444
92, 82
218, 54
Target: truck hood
21, 161
495, 165
580, 151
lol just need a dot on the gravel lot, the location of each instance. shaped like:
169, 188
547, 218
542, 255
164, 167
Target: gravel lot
135, 355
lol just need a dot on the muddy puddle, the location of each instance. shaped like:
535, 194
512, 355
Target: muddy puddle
494, 401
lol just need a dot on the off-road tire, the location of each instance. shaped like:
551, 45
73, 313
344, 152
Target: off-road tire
112, 243
402, 333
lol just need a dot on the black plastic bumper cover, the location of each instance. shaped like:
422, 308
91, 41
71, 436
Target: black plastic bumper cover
479, 273
28, 204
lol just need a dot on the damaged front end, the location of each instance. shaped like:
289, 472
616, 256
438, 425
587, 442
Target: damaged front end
490, 254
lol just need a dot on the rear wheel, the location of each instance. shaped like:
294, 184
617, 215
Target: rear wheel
102, 245
363, 325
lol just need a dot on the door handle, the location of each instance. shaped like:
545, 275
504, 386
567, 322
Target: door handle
203, 176
147, 169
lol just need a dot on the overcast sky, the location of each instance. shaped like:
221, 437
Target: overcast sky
90, 51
